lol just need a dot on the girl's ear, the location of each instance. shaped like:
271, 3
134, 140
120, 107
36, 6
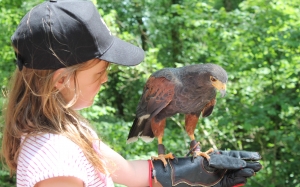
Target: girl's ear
59, 78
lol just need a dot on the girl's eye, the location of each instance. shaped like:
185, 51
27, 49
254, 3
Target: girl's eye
213, 79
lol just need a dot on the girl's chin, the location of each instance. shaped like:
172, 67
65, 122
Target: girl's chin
83, 106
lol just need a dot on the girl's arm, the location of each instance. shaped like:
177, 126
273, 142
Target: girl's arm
129, 173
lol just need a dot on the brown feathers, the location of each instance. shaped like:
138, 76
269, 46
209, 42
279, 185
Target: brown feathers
189, 90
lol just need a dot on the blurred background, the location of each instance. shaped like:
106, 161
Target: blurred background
256, 41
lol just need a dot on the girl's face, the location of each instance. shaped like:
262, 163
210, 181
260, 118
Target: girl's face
89, 82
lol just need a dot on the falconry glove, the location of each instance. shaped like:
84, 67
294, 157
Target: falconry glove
224, 169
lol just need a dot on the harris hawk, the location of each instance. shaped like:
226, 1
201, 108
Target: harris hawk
190, 90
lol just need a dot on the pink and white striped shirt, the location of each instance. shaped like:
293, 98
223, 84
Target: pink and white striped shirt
49, 155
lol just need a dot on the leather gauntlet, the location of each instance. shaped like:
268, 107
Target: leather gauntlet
225, 168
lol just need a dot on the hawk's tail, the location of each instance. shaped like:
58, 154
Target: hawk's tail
141, 128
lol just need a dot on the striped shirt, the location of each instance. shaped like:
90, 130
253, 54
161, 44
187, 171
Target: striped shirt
45, 156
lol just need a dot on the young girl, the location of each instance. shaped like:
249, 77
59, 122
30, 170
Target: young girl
63, 49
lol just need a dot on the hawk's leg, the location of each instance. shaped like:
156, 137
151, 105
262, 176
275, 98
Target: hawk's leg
190, 125
161, 154
158, 131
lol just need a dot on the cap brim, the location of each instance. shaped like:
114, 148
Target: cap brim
123, 53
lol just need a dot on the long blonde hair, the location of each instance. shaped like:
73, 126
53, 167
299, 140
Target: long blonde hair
35, 106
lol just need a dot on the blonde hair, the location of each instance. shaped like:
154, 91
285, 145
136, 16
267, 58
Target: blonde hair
35, 106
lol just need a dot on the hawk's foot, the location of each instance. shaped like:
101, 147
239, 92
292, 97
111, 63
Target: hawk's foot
195, 149
163, 158
203, 154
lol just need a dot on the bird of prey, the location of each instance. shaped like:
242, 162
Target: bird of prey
190, 90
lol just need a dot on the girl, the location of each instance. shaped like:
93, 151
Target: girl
63, 49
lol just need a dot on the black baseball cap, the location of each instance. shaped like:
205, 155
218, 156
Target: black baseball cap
62, 33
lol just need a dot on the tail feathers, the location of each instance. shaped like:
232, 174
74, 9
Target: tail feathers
141, 128
132, 139
146, 139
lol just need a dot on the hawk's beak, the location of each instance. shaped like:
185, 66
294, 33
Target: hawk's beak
223, 91
220, 86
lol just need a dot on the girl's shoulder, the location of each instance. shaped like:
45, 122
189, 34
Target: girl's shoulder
48, 142
53, 147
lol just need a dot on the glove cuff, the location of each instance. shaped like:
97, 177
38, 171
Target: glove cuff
187, 171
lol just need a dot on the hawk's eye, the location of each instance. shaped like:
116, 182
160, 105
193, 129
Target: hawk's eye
213, 79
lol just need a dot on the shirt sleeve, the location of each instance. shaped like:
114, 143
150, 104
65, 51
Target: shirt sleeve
47, 156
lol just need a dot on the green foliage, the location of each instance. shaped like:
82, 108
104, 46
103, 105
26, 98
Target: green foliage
256, 41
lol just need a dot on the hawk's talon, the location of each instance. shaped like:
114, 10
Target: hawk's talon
175, 159
193, 158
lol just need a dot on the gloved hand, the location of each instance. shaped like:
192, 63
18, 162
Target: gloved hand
224, 169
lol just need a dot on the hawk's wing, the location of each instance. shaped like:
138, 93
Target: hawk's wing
209, 107
158, 93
